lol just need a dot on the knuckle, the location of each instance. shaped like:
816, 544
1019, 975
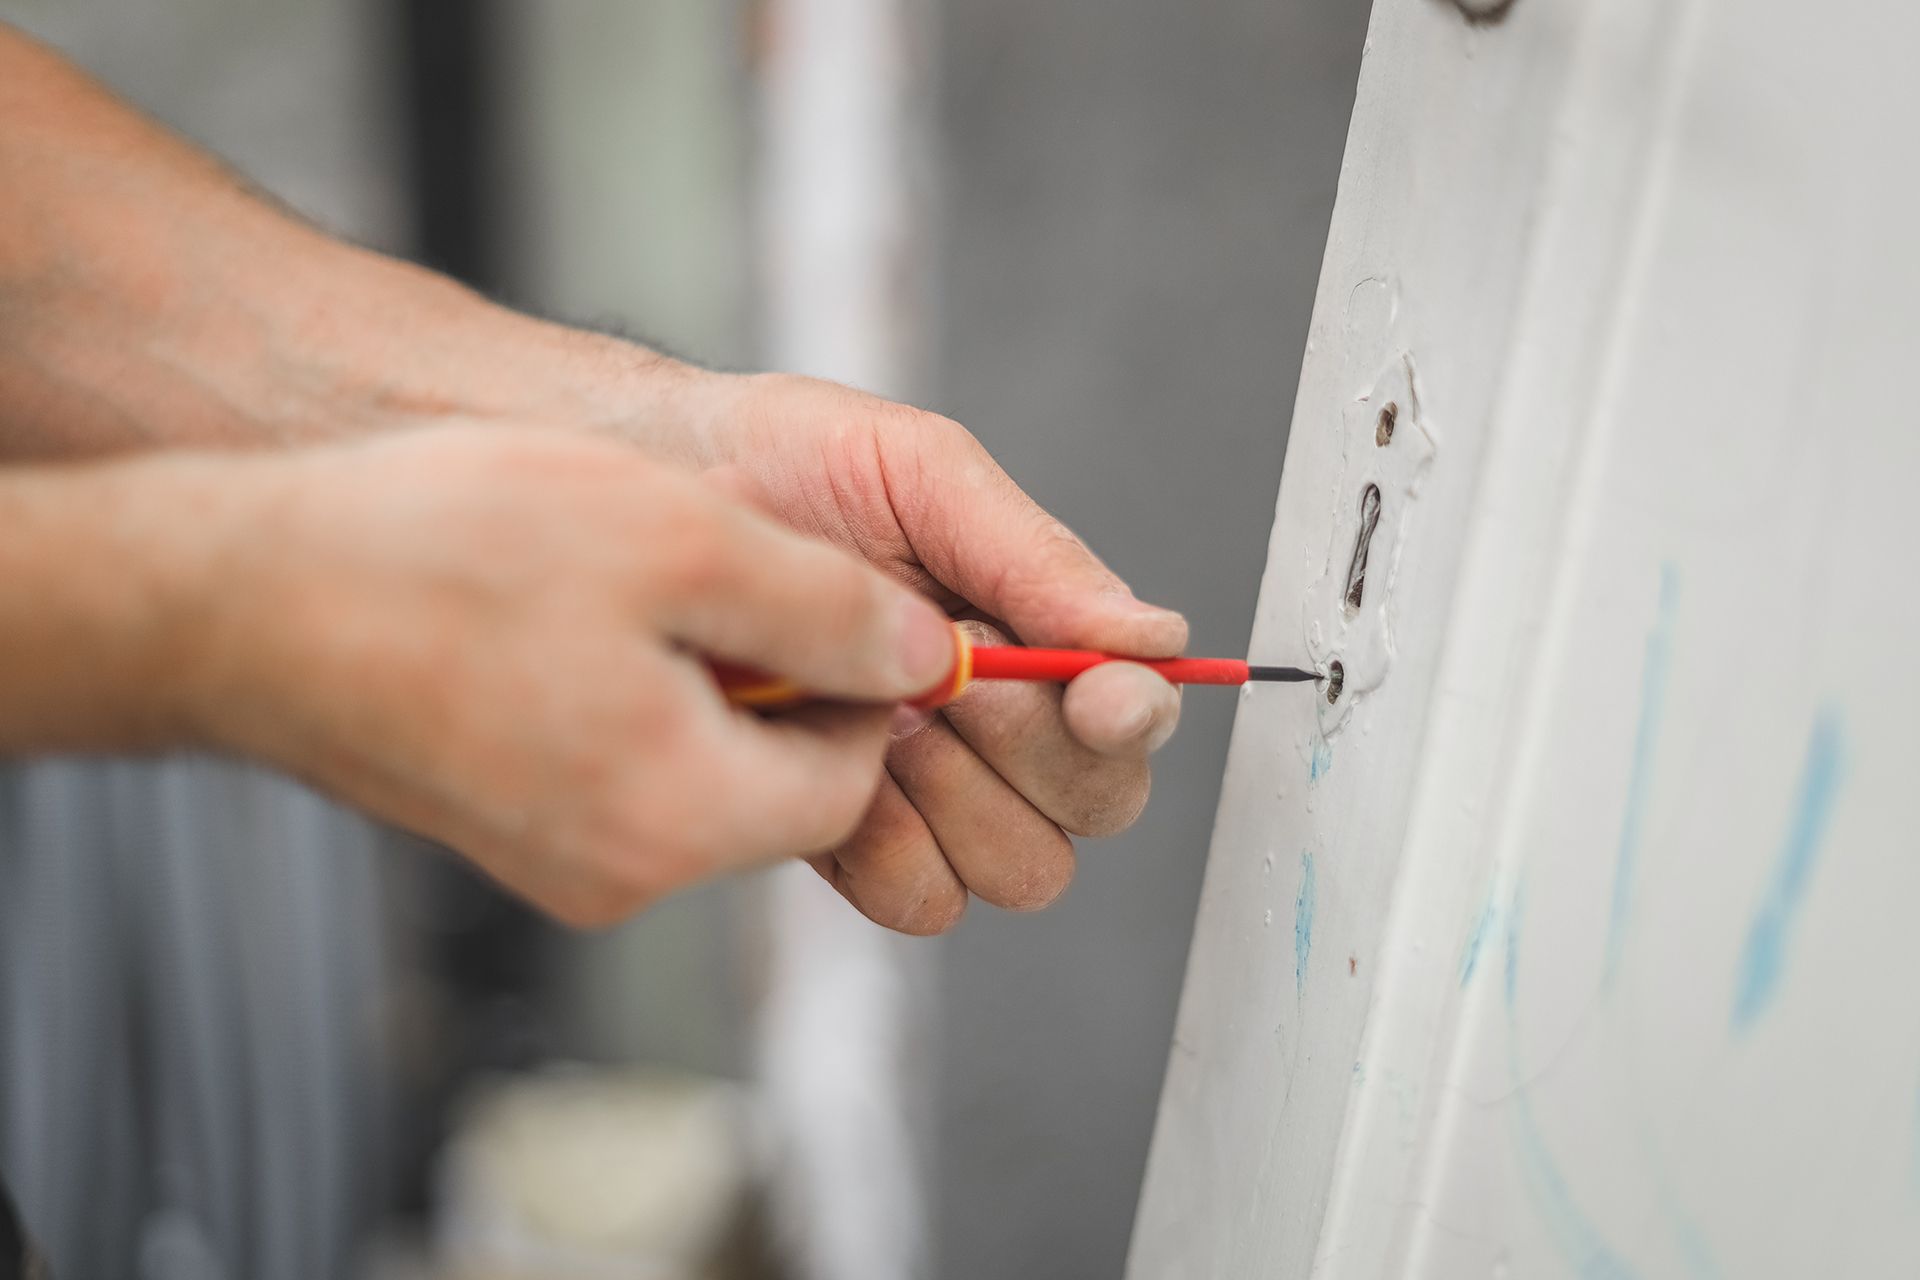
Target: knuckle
1059, 547
892, 416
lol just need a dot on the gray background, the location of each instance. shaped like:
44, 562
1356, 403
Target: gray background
1137, 200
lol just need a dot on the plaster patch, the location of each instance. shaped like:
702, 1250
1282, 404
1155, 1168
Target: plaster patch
1379, 486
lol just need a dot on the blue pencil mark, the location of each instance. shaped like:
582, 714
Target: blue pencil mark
1580, 1242
1303, 924
1513, 951
1653, 698
1695, 1252
1321, 761
1477, 939
1573, 1232
1764, 958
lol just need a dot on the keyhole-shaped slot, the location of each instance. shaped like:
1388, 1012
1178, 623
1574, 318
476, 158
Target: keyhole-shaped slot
1369, 521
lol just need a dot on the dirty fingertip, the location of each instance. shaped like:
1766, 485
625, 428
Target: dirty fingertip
1122, 709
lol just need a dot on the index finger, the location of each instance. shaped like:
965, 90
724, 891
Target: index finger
743, 589
979, 534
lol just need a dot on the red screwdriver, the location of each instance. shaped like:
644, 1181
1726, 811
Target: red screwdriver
749, 688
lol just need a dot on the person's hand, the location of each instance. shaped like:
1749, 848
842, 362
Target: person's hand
496, 639
224, 322
980, 798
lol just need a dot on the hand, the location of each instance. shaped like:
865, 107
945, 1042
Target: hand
496, 638
981, 797
112, 341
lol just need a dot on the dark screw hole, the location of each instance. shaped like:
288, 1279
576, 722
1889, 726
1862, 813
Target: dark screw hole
1383, 429
1336, 680
1357, 569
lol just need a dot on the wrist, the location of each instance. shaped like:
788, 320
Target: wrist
104, 584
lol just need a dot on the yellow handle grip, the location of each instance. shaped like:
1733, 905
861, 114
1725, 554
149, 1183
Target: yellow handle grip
746, 687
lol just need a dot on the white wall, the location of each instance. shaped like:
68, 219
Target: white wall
1574, 940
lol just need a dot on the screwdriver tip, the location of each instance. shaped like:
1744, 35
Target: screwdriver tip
1283, 675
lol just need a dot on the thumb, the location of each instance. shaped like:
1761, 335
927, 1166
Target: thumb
978, 532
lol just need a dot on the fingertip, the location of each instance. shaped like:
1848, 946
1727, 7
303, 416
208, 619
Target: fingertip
1041, 881
1117, 622
1122, 709
940, 911
925, 648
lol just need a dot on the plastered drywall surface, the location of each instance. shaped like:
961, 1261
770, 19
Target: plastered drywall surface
1576, 939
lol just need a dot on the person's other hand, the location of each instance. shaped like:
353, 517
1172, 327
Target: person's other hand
496, 639
981, 797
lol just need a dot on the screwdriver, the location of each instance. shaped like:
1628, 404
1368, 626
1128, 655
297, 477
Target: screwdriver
749, 688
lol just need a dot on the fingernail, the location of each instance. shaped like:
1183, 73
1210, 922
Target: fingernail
1161, 732
1155, 611
925, 651
908, 721
1134, 604
1138, 721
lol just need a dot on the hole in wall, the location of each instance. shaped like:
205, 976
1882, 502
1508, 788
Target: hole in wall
1383, 429
1484, 13
1336, 679
1357, 567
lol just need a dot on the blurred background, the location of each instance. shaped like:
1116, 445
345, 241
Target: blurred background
1105, 225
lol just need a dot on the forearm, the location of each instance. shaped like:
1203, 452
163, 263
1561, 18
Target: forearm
149, 298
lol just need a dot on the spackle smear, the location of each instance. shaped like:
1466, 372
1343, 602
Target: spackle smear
1321, 761
1470, 957
1303, 924
1653, 697
1764, 957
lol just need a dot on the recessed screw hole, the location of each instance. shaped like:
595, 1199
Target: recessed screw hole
1357, 568
1336, 680
1383, 429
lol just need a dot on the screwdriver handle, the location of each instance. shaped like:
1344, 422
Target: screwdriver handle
746, 687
